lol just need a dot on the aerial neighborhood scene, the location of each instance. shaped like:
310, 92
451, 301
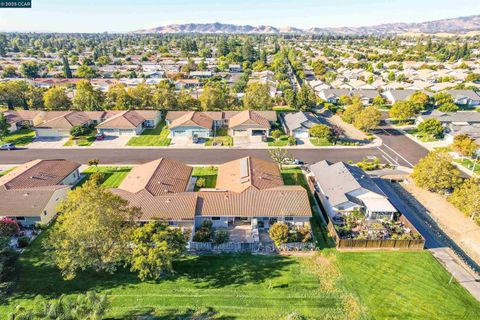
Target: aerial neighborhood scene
201, 160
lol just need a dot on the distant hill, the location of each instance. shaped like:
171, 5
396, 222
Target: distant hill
455, 25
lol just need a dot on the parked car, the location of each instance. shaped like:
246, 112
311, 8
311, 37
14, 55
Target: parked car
100, 136
8, 146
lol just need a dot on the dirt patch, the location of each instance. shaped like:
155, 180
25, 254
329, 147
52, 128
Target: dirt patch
460, 228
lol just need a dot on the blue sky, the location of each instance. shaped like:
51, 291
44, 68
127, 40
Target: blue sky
120, 15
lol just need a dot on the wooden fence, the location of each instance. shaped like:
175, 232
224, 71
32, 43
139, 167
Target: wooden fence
414, 244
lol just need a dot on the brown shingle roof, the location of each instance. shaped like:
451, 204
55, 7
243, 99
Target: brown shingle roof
248, 117
158, 177
66, 121
14, 116
239, 175
26, 202
129, 119
276, 202
193, 118
38, 173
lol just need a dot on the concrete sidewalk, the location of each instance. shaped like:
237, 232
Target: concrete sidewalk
466, 277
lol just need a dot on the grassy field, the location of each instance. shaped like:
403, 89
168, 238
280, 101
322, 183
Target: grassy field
83, 141
329, 285
208, 173
152, 137
405, 285
113, 176
20, 137
320, 142
421, 136
280, 142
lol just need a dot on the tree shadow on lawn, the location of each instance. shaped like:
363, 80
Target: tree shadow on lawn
189, 314
218, 271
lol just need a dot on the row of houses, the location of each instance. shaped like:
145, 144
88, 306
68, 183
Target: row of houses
460, 97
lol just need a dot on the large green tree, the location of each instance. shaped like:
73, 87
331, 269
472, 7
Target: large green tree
117, 97
257, 97
163, 97
92, 232
467, 198
56, 99
155, 246
321, 131
4, 126
367, 119
141, 96
436, 173
464, 145
432, 127
402, 110
87, 98
30, 69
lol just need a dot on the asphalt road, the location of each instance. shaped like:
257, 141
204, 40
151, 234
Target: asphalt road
188, 156
397, 150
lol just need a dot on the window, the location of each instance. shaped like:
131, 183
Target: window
215, 218
288, 218
20, 218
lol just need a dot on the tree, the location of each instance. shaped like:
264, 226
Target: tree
432, 127
221, 236
402, 110
141, 96
464, 145
93, 231
85, 306
85, 71
367, 119
163, 97
154, 247
87, 98
8, 227
276, 134
257, 97
467, 198
186, 102
4, 126
67, 72
14, 93
321, 131
306, 98
279, 156
118, 98
379, 101
442, 97
9, 71
56, 99
344, 100
213, 97
337, 132
436, 173
279, 233
30, 69
420, 100
448, 107
351, 112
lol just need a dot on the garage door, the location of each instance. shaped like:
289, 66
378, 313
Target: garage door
300, 134
47, 133
240, 133
126, 132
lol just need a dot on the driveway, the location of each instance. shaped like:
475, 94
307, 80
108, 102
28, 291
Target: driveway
304, 142
186, 142
111, 142
247, 142
48, 143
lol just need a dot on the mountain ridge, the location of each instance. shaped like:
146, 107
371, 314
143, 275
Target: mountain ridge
451, 25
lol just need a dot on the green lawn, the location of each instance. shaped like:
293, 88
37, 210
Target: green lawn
284, 109
320, 142
280, 142
208, 173
405, 285
468, 163
421, 136
113, 175
152, 137
83, 141
20, 137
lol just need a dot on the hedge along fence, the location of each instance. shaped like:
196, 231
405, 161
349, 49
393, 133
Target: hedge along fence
414, 244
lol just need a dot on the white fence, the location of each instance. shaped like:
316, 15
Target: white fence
232, 247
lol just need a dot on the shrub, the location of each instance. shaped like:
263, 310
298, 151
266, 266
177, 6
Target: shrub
279, 233
221, 236
294, 316
291, 141
8, 227
432, 127
200, 182
77, 131
321, 131
204, 233
276, 134
23, 242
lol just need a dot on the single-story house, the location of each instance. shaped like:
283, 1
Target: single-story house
130, 122
59, 123
343, 188
393, 96
332, 95
455, 123
32, 191
366, 95
203, 124
234, 68
248, 190
297, 124
187, 84
23, 118
465, 97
